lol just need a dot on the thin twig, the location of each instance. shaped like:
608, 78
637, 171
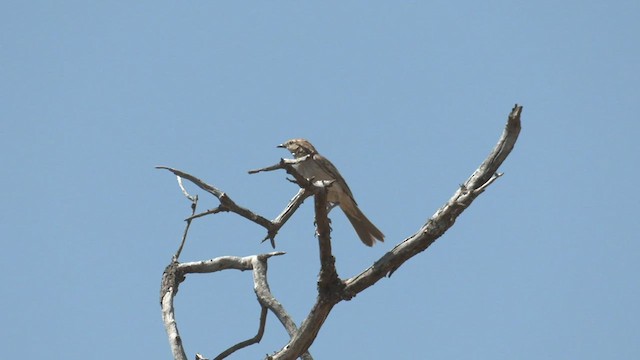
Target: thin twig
228, 205
253, 340
226, 202
288, 211
194, 205
215, 210
184, 191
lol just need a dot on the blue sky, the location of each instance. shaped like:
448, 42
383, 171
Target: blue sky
406, 99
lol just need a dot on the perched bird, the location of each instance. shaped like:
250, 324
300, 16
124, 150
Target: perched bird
319, 168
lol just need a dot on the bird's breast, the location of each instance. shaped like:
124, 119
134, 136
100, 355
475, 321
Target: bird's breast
311, 170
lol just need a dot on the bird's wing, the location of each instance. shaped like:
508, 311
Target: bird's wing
330, 169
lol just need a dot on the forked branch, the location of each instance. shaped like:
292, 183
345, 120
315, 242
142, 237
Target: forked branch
331, 289
228, 205
435, 227
175, 273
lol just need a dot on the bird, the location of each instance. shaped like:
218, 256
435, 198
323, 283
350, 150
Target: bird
317, 167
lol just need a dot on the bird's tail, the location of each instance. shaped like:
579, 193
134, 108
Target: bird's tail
367, 232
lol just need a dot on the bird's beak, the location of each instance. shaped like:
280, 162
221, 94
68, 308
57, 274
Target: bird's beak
281, 146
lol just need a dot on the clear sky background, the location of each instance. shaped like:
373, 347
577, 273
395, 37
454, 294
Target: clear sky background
406, 99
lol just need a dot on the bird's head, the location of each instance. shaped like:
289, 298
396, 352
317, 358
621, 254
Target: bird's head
299, 147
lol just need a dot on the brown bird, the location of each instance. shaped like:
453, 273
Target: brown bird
319, 168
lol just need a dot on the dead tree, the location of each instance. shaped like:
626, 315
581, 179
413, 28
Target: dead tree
331, 289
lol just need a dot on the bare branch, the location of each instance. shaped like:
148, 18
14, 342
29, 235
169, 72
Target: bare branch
288, 211
225, 200
194, 205
328, 273
446, 216
288, 166
175, 273
282, 164
329, 284
500, 152
495, 177
331, 290
223, 263
171, 278
226, 204
171, 327
268, 168
184, 191
253, 340
215, 210
266, 298
306, 189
